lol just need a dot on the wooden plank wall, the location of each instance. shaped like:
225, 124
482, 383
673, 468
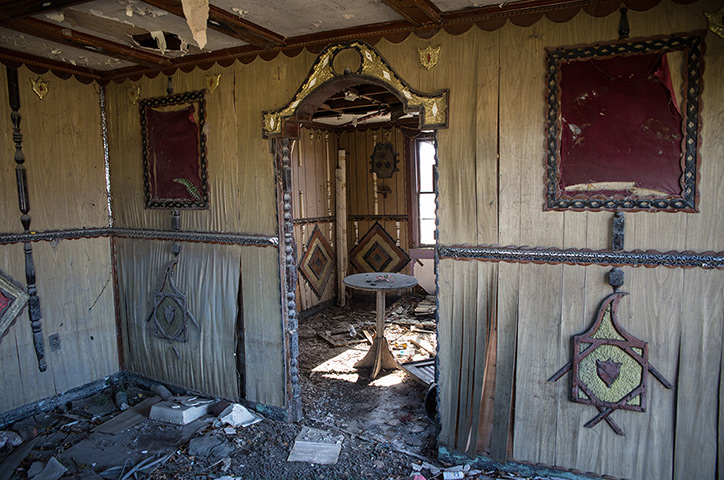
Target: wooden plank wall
63, 146
209, 275
555, 301
491, 192
314, 159
242, 200
491, 167
359, 145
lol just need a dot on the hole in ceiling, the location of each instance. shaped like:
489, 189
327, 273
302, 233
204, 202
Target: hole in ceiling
173, 43
363, 104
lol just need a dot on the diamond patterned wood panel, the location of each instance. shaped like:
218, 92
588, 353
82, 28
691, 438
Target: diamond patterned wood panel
12, 301
378, 252
317, 263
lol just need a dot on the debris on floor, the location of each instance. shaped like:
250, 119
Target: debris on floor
353, 427
237, 415
316, 446
180, 410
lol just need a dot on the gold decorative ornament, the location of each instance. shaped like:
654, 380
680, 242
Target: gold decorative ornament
429, 56
716, 22
432, 108
212, 82
134, 92
40, 87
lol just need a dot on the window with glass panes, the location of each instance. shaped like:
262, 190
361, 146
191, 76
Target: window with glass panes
425, 192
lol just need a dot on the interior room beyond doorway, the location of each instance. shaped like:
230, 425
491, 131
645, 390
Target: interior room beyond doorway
363, 165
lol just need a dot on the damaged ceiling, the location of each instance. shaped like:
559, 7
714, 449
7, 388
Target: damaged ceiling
105, 40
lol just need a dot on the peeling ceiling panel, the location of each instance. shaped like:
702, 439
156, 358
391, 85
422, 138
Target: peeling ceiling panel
302, 17
118, 20
452, 5
56, 51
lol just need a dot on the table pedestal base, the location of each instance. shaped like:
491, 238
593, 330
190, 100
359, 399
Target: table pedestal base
379, 357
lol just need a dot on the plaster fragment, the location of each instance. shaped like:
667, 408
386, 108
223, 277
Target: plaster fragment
197, 14
56, 16
160, 40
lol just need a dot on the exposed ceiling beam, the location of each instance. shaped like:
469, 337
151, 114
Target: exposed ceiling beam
229, 24
56, 66
73, 38
459, 20
417, 12
22, 8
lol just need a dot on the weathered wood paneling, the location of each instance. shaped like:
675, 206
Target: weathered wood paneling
545, 305
240, 165
62, 143
63, 147
242, 199
263, 336
209, 275
76, 296
463, 331
359, 145
314, 158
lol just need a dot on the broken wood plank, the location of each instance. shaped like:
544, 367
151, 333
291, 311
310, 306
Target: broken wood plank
132, 416
7, 468
423, 344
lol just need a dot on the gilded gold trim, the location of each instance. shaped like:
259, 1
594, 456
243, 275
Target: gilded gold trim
429, 56
212, 82
432, 108
40, 87
716, 22
134, 92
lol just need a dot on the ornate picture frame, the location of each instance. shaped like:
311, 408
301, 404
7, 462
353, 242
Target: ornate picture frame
174, 151
620, 192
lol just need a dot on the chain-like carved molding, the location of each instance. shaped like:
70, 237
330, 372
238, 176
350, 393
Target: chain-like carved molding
433, 108
572, 256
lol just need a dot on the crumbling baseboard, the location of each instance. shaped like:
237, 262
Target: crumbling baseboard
269, 411
49, 403
20, 413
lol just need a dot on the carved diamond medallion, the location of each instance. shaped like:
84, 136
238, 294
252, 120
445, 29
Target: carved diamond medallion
378, 252
317, 263
13, 299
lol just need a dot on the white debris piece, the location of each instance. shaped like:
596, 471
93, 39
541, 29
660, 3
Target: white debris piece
9, 439
180, 410
316, 446
238, 416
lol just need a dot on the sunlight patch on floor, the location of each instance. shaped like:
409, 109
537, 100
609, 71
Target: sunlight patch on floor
389, 380
342, 363
347, 377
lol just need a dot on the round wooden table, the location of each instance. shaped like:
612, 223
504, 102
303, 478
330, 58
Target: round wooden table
379, 356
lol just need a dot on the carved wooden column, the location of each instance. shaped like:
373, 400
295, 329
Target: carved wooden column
21, 175
288, 264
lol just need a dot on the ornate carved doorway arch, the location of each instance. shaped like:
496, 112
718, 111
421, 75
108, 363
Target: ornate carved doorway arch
337, 67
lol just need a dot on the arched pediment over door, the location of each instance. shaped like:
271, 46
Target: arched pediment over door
346, 64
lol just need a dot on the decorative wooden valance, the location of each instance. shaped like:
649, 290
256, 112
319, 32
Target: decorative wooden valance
347, 64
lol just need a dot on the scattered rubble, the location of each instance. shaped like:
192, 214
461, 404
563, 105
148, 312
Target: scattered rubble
353, 427
316, 446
